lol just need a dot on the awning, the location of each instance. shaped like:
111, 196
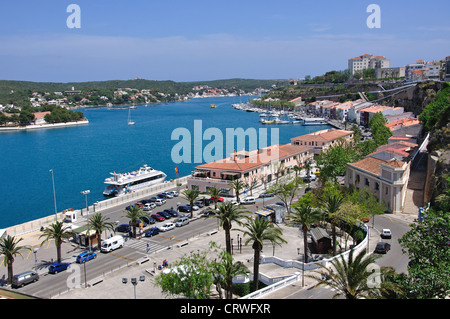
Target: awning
264, 212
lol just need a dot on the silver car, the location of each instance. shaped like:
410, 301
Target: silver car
183, 220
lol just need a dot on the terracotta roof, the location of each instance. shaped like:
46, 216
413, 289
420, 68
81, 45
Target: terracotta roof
40, 115
372, 164
254, 159
324, 135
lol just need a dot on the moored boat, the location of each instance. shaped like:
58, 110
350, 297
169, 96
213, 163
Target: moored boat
121, 183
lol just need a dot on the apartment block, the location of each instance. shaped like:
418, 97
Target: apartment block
367, 61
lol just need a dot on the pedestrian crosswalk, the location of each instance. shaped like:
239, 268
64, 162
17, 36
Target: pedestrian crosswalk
145, 245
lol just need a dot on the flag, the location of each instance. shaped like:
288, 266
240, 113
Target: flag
176, 169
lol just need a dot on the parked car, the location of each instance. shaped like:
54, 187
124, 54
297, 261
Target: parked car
311, 178
199, 203
57, 267
140, 204
149, 206
208, 213
153, 199
382, 248
219, 199
205, 201
165, 214
167, 194
172, 212
129, 207
167, 227
174, 193
152, 232
124, 228
386, 233
24, 278
248, 200
266, 195
147, 220
184, 209
84, 257
157, 217
194, 208
160, 202
183, 220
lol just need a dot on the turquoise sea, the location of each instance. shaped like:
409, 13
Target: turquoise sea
82, 157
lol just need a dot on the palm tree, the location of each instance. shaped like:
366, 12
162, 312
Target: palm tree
304, 215
59, 232
237, 185
99, 223
227, 214
259, 230
135, 213
10, 249
225, 269
350, 278
215, 193
191, 195
332, 203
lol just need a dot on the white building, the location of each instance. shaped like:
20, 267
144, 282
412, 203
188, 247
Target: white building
367, 61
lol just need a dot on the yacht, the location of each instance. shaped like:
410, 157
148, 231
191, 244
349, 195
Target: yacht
122, 183
314, 121
130, 122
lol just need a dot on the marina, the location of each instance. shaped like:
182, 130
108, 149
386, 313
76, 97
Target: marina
81, 157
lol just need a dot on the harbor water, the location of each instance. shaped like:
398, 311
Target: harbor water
82, 157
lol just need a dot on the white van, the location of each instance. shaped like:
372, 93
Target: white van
248, 200
112, 243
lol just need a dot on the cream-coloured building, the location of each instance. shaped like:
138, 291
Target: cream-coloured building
322, 140
258, 167
368, 61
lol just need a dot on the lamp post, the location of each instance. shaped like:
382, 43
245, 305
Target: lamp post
85, 193
54, 195
134, 282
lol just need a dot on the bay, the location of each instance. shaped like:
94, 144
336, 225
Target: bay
82, 157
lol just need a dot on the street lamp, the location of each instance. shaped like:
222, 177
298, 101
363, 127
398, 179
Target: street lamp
85, 193
54, 195
134, 282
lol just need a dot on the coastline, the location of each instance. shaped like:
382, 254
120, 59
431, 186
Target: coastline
42, 126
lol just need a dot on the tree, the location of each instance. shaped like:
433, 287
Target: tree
59, 233
215, 193
191, 277
350, 277
10, 249
227, 214
380, 132
331, 203
191, 195
286, 190
135, 214
427, 245
304, 215
99, 223
237, 185
258, 230
224, 270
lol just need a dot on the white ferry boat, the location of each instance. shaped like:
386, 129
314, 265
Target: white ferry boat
121, 183
314, 121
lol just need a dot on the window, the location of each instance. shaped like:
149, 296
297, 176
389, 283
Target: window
387, 190
367, 183
377, 186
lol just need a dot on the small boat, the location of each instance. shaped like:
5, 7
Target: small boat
314, 121
130, 122
213, 106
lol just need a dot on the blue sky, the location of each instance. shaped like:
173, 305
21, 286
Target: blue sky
205, 40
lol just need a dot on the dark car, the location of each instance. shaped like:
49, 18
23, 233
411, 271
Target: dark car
162, 196
124, 228
382, 248
153, 199
172, 212
199, 203
58, 267
147, 220
157, 217
152, 232
130, 207
205, 201
184, 209
164, 214
266, 195
209, 213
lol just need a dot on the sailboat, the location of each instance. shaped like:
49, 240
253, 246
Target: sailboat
130, 122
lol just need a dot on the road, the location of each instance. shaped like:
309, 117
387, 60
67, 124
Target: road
394, 257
